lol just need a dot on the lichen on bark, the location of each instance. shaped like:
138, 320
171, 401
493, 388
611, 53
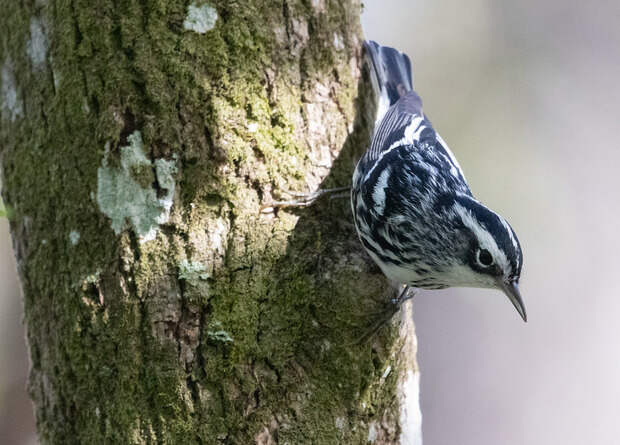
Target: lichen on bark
213, 324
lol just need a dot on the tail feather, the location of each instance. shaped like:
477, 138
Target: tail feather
390, 75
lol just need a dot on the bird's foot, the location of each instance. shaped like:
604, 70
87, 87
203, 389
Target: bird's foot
406, 294
304, 199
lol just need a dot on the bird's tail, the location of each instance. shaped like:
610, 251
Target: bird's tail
390, 73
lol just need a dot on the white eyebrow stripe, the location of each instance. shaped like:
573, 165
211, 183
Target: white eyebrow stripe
513, 240
485, 239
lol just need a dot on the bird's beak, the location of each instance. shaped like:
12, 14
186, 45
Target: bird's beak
511, 289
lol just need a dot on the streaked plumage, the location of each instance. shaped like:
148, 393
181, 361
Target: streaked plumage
413, 209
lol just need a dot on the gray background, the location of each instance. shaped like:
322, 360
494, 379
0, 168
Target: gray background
526, 94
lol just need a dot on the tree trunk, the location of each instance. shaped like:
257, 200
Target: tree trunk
138, 141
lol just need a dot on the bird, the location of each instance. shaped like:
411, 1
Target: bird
414, 212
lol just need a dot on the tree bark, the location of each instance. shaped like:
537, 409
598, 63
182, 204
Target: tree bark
138, 141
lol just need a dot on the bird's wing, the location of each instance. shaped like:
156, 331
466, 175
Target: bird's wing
405, 124
405, 116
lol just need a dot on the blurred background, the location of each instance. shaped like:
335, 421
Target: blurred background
16, 415
526, 94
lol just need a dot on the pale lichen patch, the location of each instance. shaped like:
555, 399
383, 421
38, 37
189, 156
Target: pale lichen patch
124, 197
338, 42
340, 423
74, 237
165, 172
201, 18
372, 433
37, 44
192, 271
10, 103
217, 334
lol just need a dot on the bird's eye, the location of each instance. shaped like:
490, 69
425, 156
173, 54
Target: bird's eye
484, 258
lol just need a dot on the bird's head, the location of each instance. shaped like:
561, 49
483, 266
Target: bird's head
490, 254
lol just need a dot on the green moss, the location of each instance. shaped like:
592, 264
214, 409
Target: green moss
141, 174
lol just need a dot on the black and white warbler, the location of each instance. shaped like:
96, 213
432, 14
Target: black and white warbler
413, 210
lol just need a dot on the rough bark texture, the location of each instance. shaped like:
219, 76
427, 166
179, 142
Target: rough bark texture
138, 140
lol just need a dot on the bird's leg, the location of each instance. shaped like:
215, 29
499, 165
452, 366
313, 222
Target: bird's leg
406, 294
305, 199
